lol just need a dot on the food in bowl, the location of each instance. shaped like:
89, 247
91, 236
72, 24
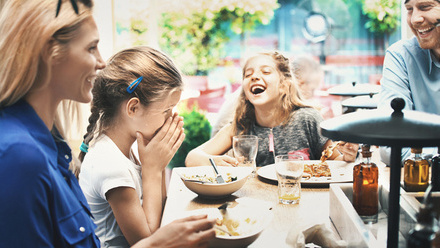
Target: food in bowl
247, 218
209, 179
235, 227
214, 189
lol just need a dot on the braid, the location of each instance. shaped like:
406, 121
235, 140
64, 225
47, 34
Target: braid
110, 87
93, 119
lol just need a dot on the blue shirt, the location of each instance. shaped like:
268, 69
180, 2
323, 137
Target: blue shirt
413, 74
42, 204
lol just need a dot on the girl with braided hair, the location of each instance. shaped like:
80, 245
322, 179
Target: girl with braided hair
133, 100
271, 108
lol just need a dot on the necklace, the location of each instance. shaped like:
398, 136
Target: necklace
271, 144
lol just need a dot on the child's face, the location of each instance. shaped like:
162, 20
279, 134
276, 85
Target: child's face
154, 116
261, 80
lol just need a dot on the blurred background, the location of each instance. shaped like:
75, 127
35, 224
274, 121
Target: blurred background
209, 40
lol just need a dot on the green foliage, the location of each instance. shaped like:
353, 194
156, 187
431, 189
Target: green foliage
197, 131
383, 15
196, 38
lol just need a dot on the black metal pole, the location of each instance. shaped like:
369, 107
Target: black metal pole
394, 199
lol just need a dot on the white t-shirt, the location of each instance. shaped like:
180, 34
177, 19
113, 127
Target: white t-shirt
104, 168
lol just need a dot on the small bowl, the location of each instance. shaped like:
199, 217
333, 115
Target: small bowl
214, 190
259, 217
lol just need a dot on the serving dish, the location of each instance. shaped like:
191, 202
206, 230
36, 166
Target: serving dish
341, 172
213, 190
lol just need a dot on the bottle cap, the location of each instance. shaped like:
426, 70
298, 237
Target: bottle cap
366, 151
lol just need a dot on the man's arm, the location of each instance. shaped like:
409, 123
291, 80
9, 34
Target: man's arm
395, 81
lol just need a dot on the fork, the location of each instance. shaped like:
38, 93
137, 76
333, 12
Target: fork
223, 230
219, 177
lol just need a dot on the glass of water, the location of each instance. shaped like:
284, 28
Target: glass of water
245, 150
289, 169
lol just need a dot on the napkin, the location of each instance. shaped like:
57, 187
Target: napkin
318, 234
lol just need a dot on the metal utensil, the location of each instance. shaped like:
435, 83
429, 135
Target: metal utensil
197, 181
223, 230
224, 206
218, 177
225, 215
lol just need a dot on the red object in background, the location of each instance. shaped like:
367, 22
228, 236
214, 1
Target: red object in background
217, 92
196, 82
375, 79
209, 104
210, 100
235, 86
305, 153
354, 60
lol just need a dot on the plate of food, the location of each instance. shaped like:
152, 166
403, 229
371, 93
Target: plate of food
237, 226
316, 172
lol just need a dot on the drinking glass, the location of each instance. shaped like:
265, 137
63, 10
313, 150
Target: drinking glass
289, 169
245, 150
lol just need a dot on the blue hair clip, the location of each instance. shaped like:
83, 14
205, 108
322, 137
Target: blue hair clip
84, 147
133, 85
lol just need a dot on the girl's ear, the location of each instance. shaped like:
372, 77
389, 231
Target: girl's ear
132, 106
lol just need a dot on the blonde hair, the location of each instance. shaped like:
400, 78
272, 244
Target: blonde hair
289, 100
160, 77
26, 28
30, 38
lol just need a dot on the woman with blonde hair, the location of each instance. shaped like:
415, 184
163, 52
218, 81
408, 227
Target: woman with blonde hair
271, 108
49, 55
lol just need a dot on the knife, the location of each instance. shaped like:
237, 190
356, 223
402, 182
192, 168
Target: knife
219, 177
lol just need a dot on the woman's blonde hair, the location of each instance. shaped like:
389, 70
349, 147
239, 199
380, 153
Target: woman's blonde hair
160, 77
31, 37
289, 100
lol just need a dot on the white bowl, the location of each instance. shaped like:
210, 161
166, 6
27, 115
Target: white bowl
260, 218
214, 190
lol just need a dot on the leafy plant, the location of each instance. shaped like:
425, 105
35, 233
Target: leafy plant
197, 131
195, 32
383, 15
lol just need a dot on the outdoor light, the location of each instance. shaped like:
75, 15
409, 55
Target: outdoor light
316, 27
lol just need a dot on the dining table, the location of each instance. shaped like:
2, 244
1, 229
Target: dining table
288, 220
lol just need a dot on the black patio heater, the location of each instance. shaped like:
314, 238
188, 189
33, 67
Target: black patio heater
397, 129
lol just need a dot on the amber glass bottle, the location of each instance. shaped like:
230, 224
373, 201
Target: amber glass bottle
365, 187
415, 172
